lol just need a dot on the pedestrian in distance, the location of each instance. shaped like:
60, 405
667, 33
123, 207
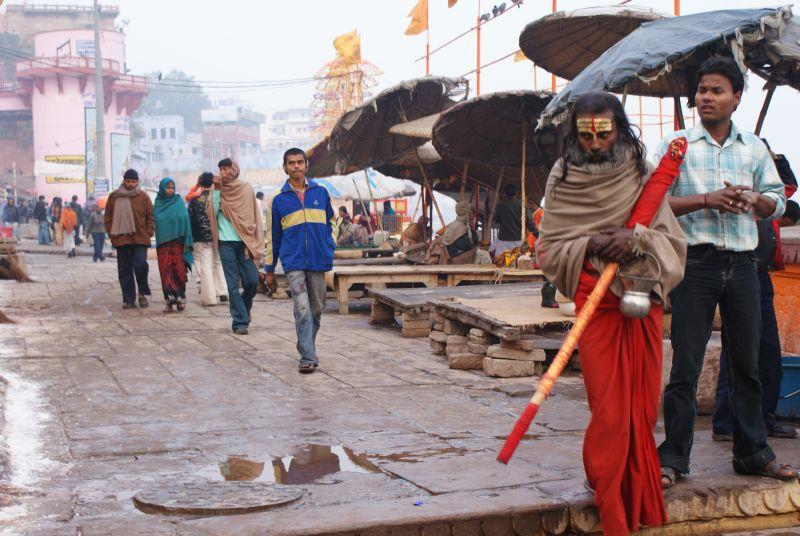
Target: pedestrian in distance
174, 244
238, 231
69, 222
727, 177
301, 237
42, 220
213, 288
96, 230
55, 217
130, 224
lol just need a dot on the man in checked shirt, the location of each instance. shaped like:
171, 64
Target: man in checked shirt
726, 181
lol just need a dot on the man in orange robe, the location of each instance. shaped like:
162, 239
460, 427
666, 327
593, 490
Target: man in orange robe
590, 195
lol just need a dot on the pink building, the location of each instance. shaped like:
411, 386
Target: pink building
58, 88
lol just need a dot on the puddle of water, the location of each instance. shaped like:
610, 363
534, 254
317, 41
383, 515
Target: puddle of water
25, 422
307, 464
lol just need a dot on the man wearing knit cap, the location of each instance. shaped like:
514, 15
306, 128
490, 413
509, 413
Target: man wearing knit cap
130, 223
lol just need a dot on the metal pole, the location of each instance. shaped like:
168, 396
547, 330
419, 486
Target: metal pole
490, 219
763, 114
478, 63
100, 101
14, 175
523, 202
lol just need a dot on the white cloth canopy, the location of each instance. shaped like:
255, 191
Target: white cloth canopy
355, 187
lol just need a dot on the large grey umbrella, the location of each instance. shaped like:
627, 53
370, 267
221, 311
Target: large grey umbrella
661, 58
361, 137
496, 129
566, 42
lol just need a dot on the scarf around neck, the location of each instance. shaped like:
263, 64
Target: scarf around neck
586, 203
123, 221
172, 220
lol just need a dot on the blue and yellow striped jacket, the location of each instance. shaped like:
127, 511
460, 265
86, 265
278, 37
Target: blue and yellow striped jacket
299, 234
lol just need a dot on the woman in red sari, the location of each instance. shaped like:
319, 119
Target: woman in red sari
174, 244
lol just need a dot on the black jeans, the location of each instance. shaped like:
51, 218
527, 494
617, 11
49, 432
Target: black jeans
98, 240
728, 279
132, 265
769, 365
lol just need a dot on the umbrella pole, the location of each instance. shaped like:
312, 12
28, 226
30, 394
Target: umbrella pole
428, 186
372, 198
464, 181
494, 203
763, 114
523, 202
360, 199
679, 122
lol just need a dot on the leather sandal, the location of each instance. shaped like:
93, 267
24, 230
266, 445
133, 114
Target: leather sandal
778, 471
669, 476
306, 368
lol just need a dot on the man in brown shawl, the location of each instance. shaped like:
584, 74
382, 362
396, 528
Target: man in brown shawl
130, 223
589, 197
236, 227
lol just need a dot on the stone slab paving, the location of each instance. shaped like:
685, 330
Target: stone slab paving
103, 403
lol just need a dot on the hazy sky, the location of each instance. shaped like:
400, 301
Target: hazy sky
247, 40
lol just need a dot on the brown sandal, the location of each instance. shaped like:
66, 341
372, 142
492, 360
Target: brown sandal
778, 471
669, 476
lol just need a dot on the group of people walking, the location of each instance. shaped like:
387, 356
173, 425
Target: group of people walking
701, 254
218, 231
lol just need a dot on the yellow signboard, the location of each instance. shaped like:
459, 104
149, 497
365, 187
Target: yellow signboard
72, 160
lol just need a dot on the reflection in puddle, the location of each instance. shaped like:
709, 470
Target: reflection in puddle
308, 464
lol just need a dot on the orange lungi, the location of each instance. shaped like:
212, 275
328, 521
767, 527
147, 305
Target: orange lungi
621, 362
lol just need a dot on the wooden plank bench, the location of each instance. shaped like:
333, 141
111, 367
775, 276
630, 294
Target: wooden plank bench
341, 279
412, 304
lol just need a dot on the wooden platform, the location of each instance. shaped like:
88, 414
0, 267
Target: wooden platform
341, 279
413, 304
506, 317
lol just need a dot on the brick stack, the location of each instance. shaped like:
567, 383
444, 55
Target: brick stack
511, 359
416, 324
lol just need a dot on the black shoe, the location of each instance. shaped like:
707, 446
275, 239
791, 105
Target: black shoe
781, 431
143, 301
240, 331
129, 306
223, 299
722, 437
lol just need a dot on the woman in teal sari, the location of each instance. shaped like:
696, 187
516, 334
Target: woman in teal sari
174, 244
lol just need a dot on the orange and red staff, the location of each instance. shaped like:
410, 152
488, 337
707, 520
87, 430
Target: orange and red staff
643, 213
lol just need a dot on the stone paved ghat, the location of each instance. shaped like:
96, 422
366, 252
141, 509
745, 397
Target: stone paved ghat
384, 439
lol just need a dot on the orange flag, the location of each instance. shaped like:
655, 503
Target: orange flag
348, 46
419, 18
451, 3
520, 56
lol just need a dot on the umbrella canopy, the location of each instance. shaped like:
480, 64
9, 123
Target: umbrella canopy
660, 58
488, 129
777, 59
354, 186
565, 43
321, 161
361, 137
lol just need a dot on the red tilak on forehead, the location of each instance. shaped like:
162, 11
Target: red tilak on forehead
594, 128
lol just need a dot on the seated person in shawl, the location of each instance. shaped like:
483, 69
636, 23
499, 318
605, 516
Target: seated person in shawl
362, 233
346, 228
457, 241
590, 195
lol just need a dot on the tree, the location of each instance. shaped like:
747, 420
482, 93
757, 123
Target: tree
11, 51
176, 94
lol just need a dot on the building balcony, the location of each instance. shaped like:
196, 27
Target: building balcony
67, 65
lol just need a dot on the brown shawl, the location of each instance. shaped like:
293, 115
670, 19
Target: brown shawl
123, 222
585, 204
239, 204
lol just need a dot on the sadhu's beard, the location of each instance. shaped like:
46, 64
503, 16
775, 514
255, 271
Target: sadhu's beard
595, 163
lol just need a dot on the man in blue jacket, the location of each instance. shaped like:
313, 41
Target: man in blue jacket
300, 235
